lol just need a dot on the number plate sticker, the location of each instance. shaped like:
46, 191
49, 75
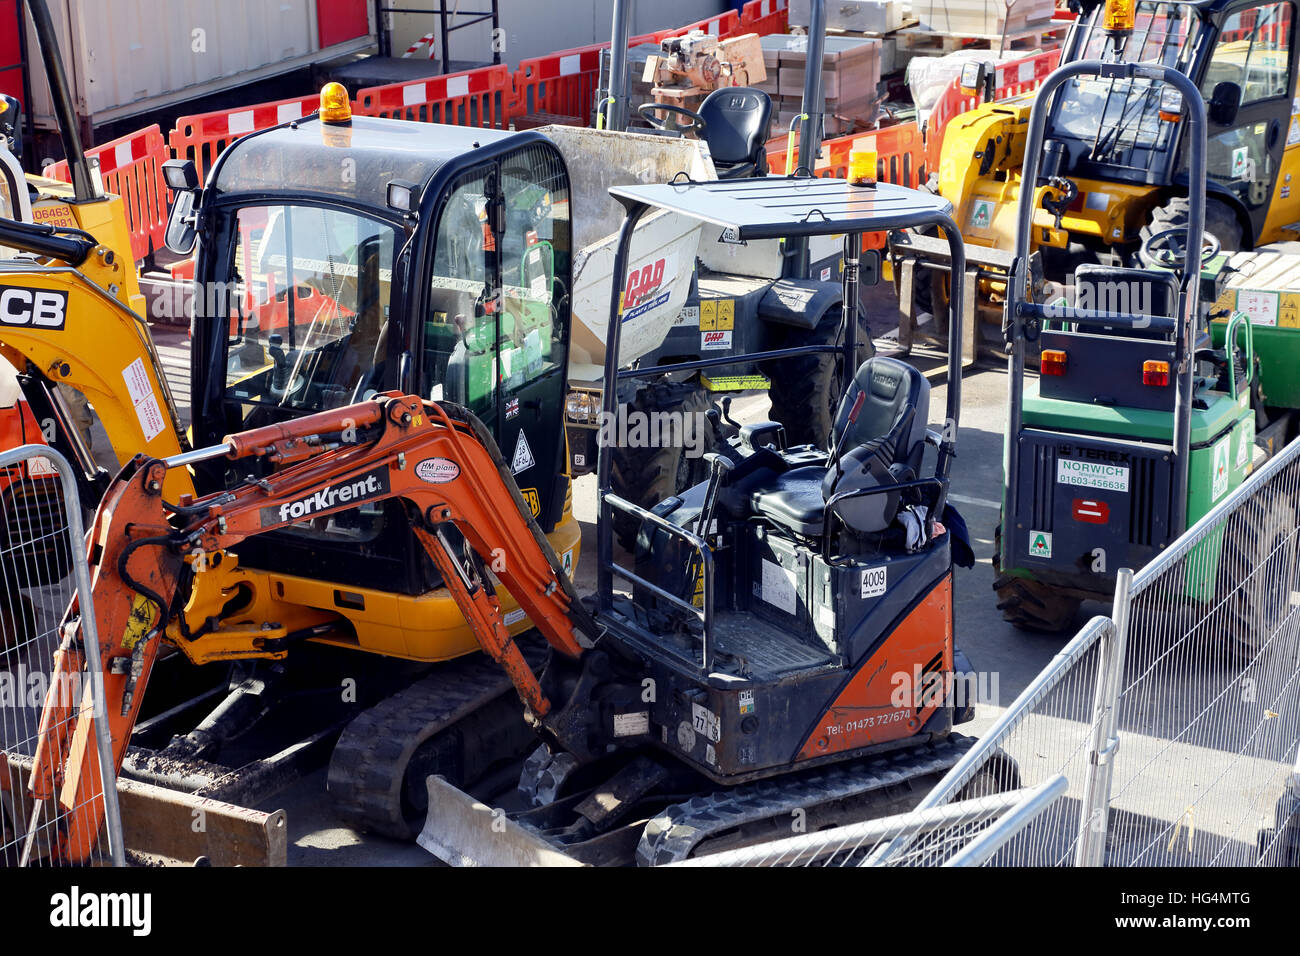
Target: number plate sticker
706, 722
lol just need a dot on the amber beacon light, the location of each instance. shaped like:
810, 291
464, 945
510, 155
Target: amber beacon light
335, 105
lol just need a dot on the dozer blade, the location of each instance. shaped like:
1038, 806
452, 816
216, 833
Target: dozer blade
460, 831
172, 828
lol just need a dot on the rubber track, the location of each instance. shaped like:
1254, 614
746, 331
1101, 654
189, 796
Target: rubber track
371, 756
675, 833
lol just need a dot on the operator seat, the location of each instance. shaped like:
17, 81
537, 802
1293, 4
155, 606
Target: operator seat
736, 122
878, 439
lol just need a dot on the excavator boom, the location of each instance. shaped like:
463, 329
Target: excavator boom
439, 459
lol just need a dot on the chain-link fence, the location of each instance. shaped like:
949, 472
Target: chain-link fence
44, 589
1167, 736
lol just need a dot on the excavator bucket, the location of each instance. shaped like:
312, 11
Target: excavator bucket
460, 831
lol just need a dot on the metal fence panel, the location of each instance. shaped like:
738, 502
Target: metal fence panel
44, 593
1209, 704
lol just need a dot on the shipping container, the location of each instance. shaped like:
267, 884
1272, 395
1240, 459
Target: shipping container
126, 57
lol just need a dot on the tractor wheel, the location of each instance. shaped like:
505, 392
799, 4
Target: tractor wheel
655, 470
1257, 572
806, 390
1220, 221
1028, 604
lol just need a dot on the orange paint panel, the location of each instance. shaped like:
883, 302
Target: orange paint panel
898, 688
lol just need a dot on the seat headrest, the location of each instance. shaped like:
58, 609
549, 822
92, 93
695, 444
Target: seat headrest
881, 393
736, 122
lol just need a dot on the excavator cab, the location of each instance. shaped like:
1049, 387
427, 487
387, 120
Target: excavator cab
781, 640
344, 261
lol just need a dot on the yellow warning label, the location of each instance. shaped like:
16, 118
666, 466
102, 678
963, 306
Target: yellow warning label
726, 313
1288, 315
708, 315
140, 622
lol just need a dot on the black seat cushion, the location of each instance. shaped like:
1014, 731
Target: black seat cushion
736, 122
794, 499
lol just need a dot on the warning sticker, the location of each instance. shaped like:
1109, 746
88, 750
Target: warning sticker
1245, 443
1040, 544
1260, 307
146, 405
1219, 479
523, 458
747, 705
1092, 474
1293, 134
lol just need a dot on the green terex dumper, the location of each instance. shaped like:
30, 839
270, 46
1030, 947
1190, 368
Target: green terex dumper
1148, 408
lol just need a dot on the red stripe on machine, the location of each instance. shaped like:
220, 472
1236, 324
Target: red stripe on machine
1093, 512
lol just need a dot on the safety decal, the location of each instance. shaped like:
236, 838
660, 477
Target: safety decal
523, 458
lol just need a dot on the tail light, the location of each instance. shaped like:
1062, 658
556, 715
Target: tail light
1155, 373
1052, 362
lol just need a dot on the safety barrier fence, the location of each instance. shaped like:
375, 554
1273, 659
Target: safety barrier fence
44, 585
1014, 78
1174, 725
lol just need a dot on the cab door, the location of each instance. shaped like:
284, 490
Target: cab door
1254, 50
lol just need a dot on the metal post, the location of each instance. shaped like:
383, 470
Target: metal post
619, 106
810, 134
609, 406
1094, 812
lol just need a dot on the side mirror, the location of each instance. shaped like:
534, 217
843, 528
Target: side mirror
182, 179
181, 235
1224, 103
11, 125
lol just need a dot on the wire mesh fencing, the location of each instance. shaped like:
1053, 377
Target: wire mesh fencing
1208, 711
44, 589
1168, 736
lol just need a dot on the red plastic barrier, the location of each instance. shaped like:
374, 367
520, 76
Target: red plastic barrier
1013, 78
764, 17
723, 26
561, 83
202, 137
481, 97
131, 167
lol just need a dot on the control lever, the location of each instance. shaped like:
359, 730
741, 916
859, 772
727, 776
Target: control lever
718, 468
726, 414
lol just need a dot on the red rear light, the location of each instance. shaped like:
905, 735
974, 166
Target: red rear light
1155, 373
1052, 362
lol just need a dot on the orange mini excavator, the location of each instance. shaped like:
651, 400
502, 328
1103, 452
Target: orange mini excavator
145, 555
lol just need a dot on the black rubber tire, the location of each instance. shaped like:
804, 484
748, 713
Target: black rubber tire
1028, 604
1220, 220
647, 476
1257, 572
806, 390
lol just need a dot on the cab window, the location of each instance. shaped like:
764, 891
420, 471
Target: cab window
1253, 51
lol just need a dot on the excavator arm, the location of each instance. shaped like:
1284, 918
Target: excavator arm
69, 318
145, 553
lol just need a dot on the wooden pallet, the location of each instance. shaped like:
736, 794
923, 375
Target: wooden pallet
1045, 35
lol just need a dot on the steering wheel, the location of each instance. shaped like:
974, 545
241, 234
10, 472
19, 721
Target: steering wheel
1168, 248
697, 124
